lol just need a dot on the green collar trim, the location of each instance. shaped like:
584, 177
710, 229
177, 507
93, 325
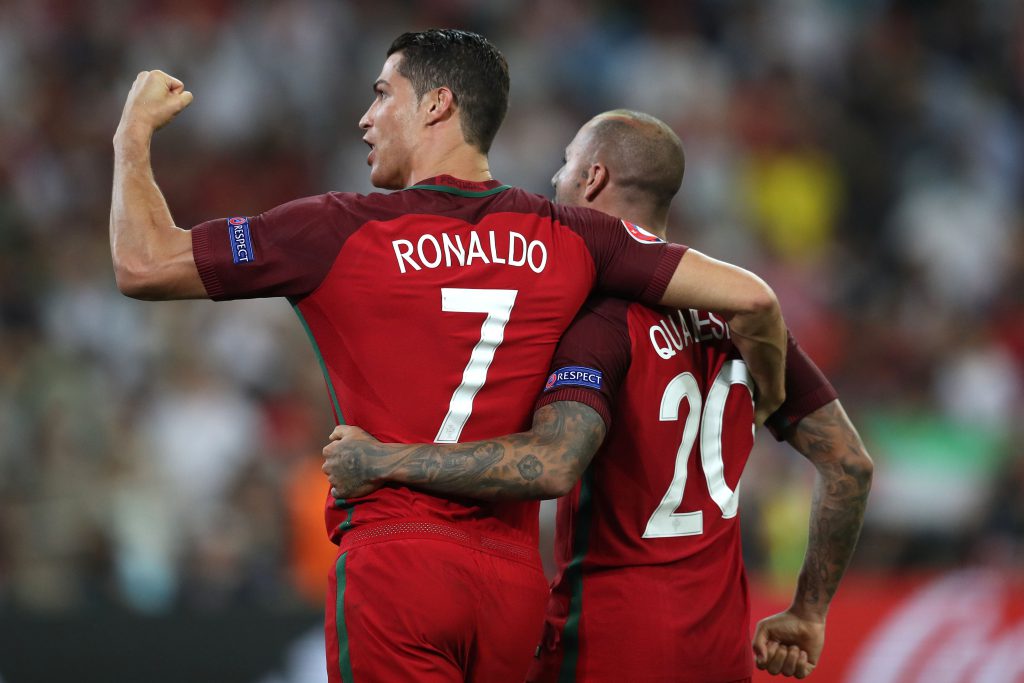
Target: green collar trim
461, 193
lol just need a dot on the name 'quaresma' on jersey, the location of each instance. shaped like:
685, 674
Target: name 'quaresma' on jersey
682, 418
650, 579
434, 312
648, 546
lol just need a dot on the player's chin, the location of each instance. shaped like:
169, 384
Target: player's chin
385, 180
388, 185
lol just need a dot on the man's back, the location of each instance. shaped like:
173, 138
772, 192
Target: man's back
438, 102
435, 312
647, 544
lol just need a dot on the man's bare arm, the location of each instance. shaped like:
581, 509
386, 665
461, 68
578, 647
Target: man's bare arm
753, 312
152, 257
545, 462
828, 439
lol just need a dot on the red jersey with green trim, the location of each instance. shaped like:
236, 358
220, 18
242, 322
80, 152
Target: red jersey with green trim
434, 312
650, 583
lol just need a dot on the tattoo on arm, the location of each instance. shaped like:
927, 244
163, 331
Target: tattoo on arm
828, 439
540, 463
530, 467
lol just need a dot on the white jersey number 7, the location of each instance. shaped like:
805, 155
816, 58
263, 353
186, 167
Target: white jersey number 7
497, 304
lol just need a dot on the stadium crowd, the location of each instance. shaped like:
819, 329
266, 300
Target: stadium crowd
866, 158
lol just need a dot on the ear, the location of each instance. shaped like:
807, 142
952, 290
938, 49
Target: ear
439, 105
597, 180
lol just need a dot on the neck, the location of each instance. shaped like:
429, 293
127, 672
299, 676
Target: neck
643, 214
458, 160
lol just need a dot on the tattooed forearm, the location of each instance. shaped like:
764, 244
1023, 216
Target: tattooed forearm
829, 440
544, 462
530, 467
431, 462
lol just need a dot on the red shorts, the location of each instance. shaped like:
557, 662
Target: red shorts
432, 611
640, 624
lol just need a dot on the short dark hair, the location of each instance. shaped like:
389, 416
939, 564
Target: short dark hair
643, 153
470, 66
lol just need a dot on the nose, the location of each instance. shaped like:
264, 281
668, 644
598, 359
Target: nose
366, 122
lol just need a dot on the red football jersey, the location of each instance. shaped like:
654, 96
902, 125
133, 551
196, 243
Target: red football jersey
434, 312
650, 576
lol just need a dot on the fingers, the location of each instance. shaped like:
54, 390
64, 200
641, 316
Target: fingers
338, 489
173, 83
777, 660
162, 76
342, 431
156, 97
792, 657
803, 665
775, 657
339, 433
788, 660
760, 645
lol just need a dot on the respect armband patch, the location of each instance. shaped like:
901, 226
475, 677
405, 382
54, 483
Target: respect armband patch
574, 376
241, 240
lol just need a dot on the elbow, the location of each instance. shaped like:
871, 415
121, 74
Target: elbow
556, 487
754, 304
761, 300
130, 280
134, 279
564, 439
561, 483
554, 483
859, 465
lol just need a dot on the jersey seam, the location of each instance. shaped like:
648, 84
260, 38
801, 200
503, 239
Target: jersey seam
323, 367
460, 192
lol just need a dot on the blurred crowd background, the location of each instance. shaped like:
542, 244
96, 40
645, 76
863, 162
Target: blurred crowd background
865, 156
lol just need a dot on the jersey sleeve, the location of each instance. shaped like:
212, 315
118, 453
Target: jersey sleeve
592, 357
807, 389
631, 263
286, 251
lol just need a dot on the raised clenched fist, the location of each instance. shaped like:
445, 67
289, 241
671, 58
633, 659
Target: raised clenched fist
155, 99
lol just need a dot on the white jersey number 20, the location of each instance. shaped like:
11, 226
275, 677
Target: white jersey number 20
666, 522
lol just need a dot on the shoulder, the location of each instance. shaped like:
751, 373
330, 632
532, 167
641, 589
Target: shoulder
375, 203
313, 205
601, 321
522, 201
610, 309
579, 217
355, 210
